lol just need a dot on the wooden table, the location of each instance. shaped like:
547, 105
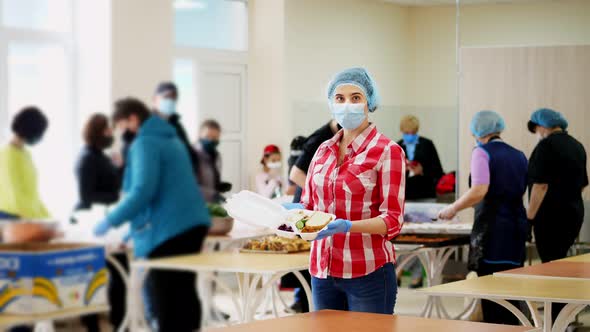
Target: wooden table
575, 293
250, 270
566, 270
8, 320
581, 258
343, 321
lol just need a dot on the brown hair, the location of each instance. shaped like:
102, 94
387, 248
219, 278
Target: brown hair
94, 128
211, 124
409, 123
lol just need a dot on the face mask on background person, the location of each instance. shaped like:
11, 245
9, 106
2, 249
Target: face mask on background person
410, 138
105, 142
479, 143
209, 145
33, 140
349, 116
167, 106
275, 165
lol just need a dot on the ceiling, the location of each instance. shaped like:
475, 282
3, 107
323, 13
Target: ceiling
452, 2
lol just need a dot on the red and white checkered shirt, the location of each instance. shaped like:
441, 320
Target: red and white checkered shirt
369, 183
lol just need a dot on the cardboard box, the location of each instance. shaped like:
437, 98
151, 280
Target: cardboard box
40, 278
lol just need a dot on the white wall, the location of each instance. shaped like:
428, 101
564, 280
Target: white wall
142, 47
267, 118
323, 37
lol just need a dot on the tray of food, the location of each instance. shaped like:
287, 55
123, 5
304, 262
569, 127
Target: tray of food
276, 245
307, 224
432, 240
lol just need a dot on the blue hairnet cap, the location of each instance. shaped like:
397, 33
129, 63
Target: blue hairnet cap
548, 118
486, 122
358, 77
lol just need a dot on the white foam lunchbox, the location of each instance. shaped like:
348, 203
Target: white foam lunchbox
260, 212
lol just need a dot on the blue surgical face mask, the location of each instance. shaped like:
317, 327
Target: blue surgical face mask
410, 138
479, 143
349, 116
167, 106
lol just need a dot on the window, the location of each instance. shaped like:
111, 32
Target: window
210, 70
213, 24
36, 52
50, 15
184, 77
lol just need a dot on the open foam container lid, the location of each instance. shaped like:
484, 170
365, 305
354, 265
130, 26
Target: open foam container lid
256, 210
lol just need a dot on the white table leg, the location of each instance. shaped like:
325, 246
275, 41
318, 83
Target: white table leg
547, 321
44, 326
515, 311
306, 289
534, 313
566, 316
123, 274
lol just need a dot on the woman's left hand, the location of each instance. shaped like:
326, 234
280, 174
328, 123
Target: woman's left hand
447, 213
335, 227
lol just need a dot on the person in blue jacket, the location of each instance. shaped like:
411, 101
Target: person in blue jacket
167, 212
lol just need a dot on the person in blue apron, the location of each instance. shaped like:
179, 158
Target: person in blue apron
497, 185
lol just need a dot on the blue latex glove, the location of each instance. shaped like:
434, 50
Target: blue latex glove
293, 206
102, 228
335, 227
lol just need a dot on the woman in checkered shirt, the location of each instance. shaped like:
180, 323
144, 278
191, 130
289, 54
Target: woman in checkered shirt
358, 175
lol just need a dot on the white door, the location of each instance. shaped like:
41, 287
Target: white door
217, 91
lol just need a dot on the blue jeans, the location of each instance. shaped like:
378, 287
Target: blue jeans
374, 293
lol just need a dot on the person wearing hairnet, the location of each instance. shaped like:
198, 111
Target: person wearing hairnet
498, 183
557, 177
358, 175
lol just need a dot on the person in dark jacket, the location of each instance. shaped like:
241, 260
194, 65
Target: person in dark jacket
210, 162
557, 176
165, 100
498, 183
297, 175
167, 213
424, 168
99, 183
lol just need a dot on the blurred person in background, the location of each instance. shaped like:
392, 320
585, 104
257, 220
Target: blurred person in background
497, 186
423, 172
297, 175
557, 177
294, 154
19, 195
424, 167
298, 172
167, 213
269, 182
165, 103
99, 182
209, 160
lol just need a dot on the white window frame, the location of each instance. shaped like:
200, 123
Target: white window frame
212, 57
26, 35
